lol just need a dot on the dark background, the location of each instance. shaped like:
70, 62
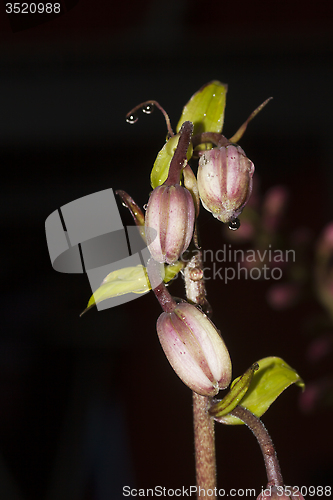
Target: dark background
88, 405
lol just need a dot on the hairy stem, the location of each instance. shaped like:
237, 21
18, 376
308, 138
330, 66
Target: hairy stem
204, 443
204, 435
163, 296
179, 158
274, 476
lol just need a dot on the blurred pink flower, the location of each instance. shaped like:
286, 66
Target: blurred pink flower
319, 348
314, 394
283, 295
274, 206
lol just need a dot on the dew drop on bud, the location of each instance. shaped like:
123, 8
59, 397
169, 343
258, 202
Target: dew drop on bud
145, 206
148, 109
234, 224
132, 118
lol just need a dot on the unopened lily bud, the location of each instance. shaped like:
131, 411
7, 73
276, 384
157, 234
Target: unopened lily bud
225, 181
169, 222
195, 349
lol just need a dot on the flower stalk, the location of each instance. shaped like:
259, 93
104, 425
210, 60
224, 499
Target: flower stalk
273, 471
203, 422
155, 277
204, 444
179, 159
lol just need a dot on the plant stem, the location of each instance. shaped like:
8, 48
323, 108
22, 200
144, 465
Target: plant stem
274, 476
194, 281
204, 435
154, 103
162, 294
179, 158
204, 443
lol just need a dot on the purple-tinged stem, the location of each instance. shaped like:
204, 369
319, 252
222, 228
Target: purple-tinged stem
204, 443
274, 476
163, 296
179, 158
135, 210
154, 103
204, 434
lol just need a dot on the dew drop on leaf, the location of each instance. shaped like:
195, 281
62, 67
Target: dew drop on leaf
132, 118
234, 224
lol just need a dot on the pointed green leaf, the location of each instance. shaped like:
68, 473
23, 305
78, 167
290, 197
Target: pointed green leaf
206, 108
269, 381
161, 166
237, 391
172, 270
128, 280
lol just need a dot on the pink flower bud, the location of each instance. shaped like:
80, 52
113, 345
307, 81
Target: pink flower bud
225, 181
169, 222
195, 349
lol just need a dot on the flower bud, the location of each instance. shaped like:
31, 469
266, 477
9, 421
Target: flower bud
169, 222
195, 349
225, 181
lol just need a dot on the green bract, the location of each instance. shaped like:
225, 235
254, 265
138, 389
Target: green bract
205, 109
128, 280
237, 392
269, 381
161, 166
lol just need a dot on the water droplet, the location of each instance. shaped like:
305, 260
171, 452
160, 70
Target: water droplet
148, 109
132, 118
145, 206
234, 224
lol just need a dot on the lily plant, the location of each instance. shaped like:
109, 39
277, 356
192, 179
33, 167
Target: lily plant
191, 342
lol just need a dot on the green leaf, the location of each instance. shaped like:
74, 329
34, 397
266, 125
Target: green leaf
161, 165
172, 270
128, 280
269, 381
237, 391
205, 109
